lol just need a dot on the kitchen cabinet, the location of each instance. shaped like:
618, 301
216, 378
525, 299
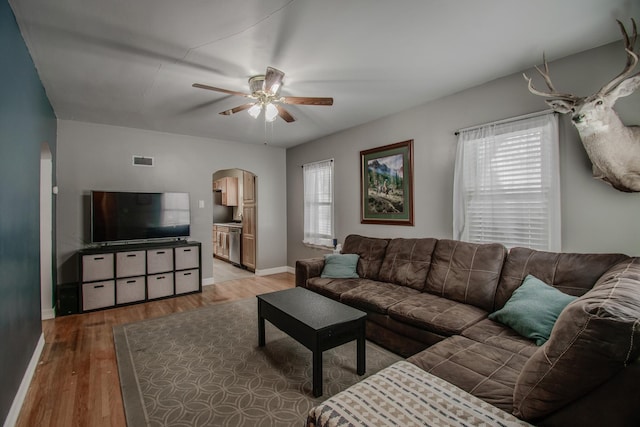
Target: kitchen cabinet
221, 241
228, 186
249, 221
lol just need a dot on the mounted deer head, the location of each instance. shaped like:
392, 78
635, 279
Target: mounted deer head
612, 147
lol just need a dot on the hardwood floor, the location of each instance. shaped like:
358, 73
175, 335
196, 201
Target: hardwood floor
76, 382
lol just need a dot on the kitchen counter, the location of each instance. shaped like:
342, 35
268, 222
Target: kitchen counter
228, 224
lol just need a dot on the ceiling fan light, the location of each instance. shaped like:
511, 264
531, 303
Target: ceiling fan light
255, 111
270, 113
256, 83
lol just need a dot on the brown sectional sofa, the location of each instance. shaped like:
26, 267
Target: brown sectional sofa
429, 299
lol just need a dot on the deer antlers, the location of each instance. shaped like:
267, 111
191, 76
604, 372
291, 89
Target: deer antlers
632, 57
547, 79
632, 61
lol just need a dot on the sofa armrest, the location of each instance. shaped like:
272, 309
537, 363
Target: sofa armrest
613, 403
308, 268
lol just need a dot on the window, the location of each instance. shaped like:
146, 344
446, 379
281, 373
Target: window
507, 184
318, 203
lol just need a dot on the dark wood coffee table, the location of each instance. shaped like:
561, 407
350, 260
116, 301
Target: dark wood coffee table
315, 321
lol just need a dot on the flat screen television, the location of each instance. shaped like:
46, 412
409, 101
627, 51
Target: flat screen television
118, 216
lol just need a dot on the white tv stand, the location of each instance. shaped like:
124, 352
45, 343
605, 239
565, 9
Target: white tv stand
128, 274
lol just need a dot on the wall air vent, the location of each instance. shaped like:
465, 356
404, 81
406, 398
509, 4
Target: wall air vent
142, 161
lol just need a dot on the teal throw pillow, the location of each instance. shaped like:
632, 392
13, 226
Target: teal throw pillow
340, 266
533, 309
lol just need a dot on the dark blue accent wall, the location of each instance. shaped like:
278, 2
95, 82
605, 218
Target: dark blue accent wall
26, 121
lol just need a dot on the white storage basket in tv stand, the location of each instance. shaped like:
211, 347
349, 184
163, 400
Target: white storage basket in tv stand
127, 274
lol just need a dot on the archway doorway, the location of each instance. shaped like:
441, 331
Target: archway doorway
234, 224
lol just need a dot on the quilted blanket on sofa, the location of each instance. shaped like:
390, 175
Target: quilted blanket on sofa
405, 395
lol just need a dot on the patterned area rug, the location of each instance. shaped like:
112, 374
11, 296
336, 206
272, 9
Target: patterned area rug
204, 368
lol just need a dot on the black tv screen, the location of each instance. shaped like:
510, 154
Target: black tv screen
122, 216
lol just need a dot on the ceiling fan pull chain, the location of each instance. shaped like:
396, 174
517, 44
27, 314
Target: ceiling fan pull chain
265, 132
271, 127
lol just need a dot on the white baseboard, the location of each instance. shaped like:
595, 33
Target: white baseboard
18, 400
48, 313
291, 270
275, 270
207, 281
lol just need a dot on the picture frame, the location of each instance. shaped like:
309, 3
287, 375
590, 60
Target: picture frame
386, 184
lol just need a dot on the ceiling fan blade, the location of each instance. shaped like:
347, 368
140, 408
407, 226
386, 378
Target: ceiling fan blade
305, 100
273, 81
237, 109
217, 89
285, 114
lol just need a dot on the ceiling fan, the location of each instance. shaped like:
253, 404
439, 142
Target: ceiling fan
265, 93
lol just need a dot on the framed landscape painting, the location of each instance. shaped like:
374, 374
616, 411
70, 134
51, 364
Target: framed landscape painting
386, 184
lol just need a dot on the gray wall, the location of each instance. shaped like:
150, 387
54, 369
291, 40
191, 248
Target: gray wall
595, 217
26, 122
98, 157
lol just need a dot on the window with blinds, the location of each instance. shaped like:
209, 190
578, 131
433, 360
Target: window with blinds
318, 203
507, 184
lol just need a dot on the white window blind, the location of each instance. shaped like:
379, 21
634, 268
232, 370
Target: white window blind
318, 203
507, 184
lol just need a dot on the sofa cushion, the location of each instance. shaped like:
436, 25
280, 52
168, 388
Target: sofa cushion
487, 372
399, 337
573, 274
371, 251
407, 262
376, 296
436, 314
466, 272
595, 337
340, 266
533, 309
333, 288
498, 335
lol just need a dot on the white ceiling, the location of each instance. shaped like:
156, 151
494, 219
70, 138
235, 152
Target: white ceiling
132, 62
